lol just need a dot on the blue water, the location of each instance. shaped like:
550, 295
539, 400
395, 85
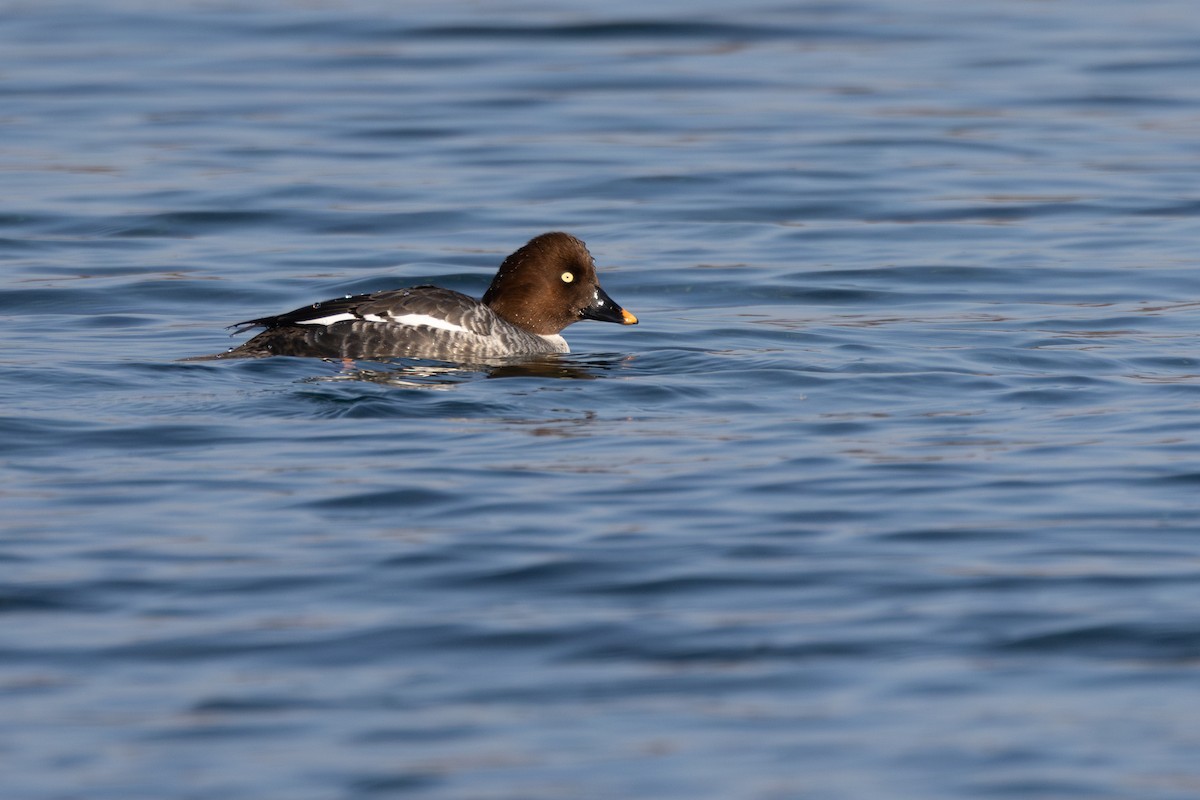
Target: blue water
893, 493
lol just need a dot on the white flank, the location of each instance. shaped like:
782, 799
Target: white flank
326, 320
557, 341
432, 322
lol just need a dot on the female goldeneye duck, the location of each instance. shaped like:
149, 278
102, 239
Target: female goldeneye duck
540, 289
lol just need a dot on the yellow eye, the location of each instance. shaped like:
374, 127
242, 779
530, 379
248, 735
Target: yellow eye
567, 277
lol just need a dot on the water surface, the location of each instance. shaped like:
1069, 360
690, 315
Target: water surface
892, 493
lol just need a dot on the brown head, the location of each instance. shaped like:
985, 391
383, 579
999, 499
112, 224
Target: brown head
549, 284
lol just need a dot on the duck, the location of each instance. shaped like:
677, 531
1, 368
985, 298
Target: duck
544, 286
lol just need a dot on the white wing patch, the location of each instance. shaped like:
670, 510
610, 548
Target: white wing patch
326, 320
406, 319
432, 322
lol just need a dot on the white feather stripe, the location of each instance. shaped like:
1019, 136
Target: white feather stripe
326, 320
428, 321
405, 319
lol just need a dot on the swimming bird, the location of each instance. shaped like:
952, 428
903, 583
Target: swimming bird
546, 285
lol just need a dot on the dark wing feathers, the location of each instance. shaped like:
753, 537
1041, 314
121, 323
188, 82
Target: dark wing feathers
433, 301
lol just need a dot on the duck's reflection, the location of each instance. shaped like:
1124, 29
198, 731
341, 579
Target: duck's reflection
438, 375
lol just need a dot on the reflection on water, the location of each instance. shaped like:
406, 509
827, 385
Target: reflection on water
428, 375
